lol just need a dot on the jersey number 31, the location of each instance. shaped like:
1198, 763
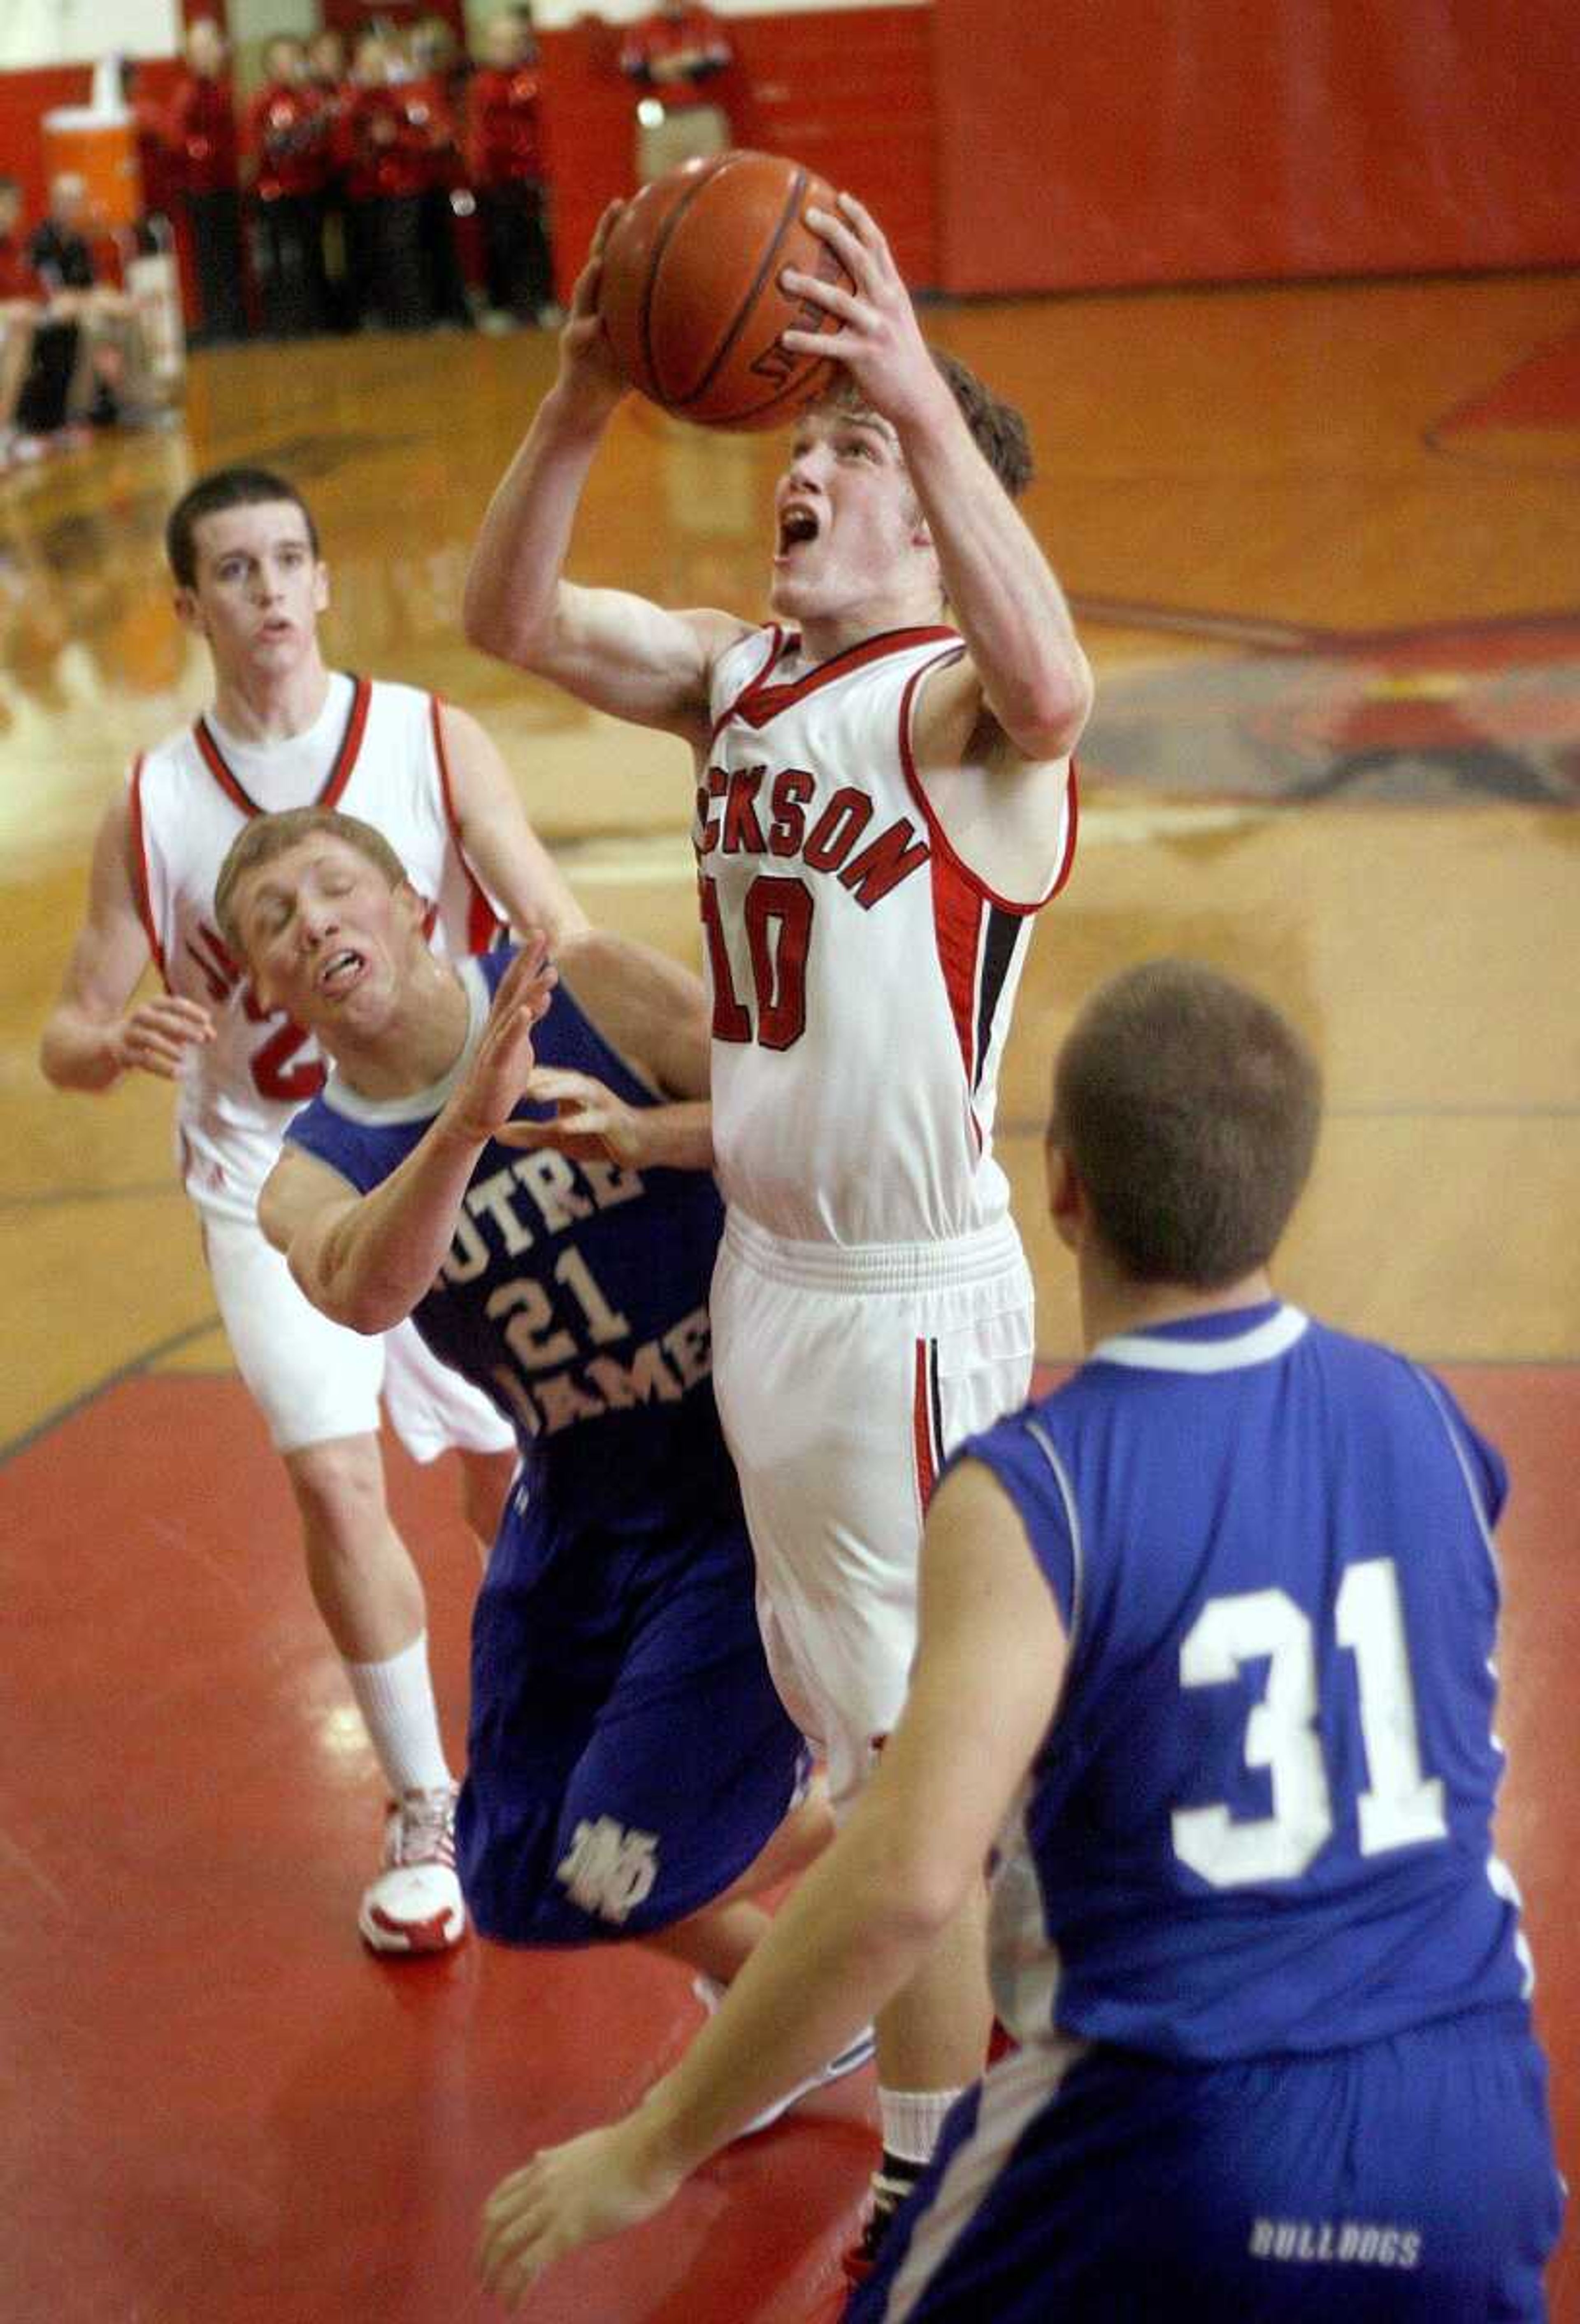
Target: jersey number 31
1401, 1807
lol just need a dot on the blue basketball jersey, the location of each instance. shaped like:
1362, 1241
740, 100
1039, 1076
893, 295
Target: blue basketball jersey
575, 1294
1262, 1820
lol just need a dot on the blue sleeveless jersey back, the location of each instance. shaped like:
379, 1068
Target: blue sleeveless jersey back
575, 1294
1262, 1821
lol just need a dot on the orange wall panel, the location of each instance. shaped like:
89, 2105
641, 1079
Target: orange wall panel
1112, 141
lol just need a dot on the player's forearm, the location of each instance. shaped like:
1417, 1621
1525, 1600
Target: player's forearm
851, 1936
79, 1052
511, 600
369, 1264
1003, 594
678, 1136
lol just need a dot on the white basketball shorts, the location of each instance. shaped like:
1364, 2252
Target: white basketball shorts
844, 1376
313, 1380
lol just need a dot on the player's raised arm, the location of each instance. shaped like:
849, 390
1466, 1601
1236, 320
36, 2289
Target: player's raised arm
1003, 595
654, 1013
366, 1260
92, 1035
615, 650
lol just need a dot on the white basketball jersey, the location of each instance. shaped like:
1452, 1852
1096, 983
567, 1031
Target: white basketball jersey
375, 751
862, 975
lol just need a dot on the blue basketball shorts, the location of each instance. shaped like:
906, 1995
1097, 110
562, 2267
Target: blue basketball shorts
628, 1758
1409, 2181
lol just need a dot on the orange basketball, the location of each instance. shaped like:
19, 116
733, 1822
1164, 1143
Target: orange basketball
690, 290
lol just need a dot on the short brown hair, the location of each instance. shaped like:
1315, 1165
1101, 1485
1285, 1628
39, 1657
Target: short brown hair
1189, 1108
997, 430
224, 488
268, 836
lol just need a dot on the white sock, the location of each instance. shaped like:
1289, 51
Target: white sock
912, 2120
396, 1699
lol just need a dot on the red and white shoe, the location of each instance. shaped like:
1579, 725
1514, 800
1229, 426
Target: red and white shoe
415, 1905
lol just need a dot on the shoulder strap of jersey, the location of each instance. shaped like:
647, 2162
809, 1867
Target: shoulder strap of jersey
140, 888
486, 925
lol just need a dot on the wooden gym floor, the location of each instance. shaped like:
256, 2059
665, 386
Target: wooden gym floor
1327, 546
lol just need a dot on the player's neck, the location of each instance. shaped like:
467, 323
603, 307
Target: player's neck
415, 1045
270, 706
1112, 1305
824, 637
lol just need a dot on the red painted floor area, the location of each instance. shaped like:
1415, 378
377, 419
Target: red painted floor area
220, 2108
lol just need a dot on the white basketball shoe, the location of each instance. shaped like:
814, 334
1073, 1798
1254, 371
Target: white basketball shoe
415, 1905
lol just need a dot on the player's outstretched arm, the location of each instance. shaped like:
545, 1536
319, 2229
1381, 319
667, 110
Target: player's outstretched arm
654, 1013
498, 842
1003, 594
92, 1035
366, 1260
617, 652
988, 1674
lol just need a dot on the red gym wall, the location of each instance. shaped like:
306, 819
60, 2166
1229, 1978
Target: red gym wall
1020, 146
1156, 141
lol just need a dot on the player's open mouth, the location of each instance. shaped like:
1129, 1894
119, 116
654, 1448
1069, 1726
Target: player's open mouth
797, 523
339, 973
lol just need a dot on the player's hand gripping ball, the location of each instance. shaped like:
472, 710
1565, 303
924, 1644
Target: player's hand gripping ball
690, 291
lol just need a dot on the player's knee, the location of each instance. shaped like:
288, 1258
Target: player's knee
339, 1489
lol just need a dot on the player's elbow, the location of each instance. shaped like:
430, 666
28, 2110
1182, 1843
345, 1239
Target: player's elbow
1049, 719
496, 625
921, 1888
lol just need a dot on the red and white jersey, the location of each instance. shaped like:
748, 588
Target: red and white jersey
374, 752
862, 975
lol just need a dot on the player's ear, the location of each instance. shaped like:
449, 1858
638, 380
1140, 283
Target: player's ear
1066, 1198
189, 613
321, 588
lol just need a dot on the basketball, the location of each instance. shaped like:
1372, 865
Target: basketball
690, 291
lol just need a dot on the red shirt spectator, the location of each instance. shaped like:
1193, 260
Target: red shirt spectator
285, 137
503, 136
392, 140
675, 51
203, 135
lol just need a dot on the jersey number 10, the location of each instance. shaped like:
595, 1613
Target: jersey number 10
1401, 1806
776, 916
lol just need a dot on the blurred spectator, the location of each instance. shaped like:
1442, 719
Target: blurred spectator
91, 329
203, 172
151, 131
671, 56
504, 159
326, 61
389, 136
285, 159
327, 75
21, 306
440, 71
